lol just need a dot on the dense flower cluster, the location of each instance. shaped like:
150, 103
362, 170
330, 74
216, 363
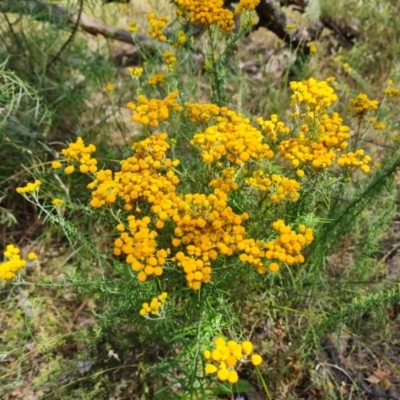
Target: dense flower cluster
317, 147
225, 356
155, 79
390, 91
361, 105
232, 139
273, 127
170, 60
321, 135
312, 95
279, 187
287, 247
206, 12
246, 5
357, 159
150, 112
204, 226
30, 187
13, 262
155, 307
156, 27
78, 152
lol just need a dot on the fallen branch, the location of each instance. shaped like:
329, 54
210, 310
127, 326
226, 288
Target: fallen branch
57, 14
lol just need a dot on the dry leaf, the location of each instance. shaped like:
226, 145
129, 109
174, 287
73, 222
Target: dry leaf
373, 379
382, 374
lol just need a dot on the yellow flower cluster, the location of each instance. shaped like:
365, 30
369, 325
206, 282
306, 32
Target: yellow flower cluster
225, 356
147, 177
232, 139
30, 187
150, 112
287, 247
170, 60
140, 248
207, 227
202, 112
380, 126
156, 79
347, 68
273, 127
155, 307
246, 5
204, 227
389, 91
78, 152
315, 95
321, 136
206, 12
279, 186
355, 159
13, 262
361, 105
135, 72
156, 27
180, 39
318, 146
313, 47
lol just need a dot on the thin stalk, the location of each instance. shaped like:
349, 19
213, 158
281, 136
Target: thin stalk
264, 384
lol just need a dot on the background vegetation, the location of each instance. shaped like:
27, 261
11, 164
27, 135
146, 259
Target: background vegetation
70, 325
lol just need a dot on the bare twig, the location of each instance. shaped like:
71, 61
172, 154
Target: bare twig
70, 38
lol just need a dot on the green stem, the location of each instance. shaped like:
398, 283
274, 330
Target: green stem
264, 384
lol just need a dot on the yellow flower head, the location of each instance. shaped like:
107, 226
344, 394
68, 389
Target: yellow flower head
30, 187
13, 262
57, 202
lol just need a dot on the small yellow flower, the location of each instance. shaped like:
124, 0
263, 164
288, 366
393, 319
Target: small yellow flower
57, 202
210, 369
133, 27
256, 359
69, 170
247, 347
56, 165
233, 377
274, 267
32, 256
223, 374
291, 27
110, 87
